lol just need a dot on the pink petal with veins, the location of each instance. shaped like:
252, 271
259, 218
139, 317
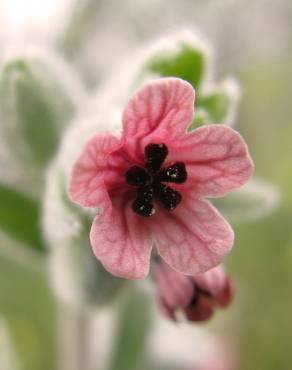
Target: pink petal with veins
216, 159
120, 241
99, 168
159, 111
194, 238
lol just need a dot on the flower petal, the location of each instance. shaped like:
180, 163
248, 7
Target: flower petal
175, 289
99, 168
161, 110
212, 281
120, 241
194, 237
225, 297
216, 159
165, 309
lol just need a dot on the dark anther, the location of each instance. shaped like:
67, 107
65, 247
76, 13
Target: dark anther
149, 181
169, 197
155, 155
194, 300
137, 176
175, 173
198, 293
143, 203
146, 193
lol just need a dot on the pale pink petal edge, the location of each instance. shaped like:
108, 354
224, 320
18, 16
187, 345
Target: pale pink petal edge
121, 243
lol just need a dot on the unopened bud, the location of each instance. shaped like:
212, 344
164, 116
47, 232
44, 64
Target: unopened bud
196, 296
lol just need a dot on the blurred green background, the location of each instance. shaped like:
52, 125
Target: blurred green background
253, 43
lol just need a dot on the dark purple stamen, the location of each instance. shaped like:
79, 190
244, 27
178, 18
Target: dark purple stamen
155, 155
198, 292
149, 181
143, 204
169, 197
175, 173
137, 176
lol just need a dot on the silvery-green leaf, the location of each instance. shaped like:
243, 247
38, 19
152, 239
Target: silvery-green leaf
29, 115
218, 105
182, 54
33, 108
186, 62
39, 94
255, 199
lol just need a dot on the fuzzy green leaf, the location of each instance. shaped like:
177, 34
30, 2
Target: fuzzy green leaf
216, 104
186, 62
33, 110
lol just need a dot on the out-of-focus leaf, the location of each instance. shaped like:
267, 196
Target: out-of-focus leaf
20, 217
80, 23
9, 360
200, 118
132, 332
186, 62
216, 104
253, 200
33, 110
211, 108
29, 309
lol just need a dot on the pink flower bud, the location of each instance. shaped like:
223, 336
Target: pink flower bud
196, 296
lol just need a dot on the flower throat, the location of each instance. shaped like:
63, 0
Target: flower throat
149, 181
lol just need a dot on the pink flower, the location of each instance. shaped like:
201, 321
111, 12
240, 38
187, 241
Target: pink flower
196, 296
151, 183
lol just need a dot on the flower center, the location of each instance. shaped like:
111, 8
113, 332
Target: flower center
149, 181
